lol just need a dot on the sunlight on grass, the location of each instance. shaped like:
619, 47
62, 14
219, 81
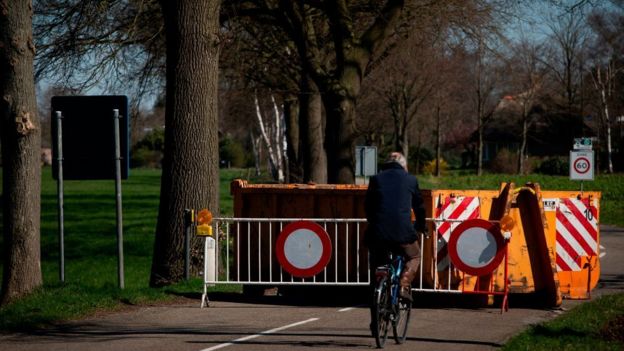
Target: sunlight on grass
583, 328
91, 250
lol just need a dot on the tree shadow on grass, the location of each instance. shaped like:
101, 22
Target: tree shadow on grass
558, 333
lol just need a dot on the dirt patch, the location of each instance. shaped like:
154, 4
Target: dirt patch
614, 329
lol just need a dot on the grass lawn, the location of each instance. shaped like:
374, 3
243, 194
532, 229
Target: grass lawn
91, 249
595, 325
90, 242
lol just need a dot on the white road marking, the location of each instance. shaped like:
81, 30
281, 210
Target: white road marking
346, 309
603, 251
249, 337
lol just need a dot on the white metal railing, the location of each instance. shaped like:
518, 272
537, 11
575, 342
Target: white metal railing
242, 252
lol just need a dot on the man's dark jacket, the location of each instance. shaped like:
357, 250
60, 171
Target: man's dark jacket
391, 194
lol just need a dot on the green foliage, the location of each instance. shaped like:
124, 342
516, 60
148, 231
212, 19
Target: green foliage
148, 152
423, 155
588, 326
556, 165
145, 158
430, 167
232, 153
154, 140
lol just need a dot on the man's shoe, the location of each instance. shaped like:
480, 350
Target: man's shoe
406, 293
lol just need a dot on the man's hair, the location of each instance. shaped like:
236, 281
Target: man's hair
398, 158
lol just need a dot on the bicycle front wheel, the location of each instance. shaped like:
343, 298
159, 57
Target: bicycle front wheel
381, 315
399, 326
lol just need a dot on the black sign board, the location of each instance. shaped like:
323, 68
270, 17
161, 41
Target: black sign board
88, 135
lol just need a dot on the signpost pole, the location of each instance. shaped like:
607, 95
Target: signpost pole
581, 188
362, 150
120, 257
59, 190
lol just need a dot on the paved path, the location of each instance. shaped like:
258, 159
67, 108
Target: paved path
275, 324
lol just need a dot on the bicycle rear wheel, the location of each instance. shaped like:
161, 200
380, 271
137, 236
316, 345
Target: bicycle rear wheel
400, 324
381, 316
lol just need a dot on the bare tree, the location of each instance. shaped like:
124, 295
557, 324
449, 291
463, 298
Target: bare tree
448, 111
264, 55
117, 44
20, 135
272, 133
566, 60
603, 79
339, 66
412, 83
190, 176
527, 79
486, 77
607, 66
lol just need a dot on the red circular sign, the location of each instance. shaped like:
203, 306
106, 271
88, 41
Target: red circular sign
581, 165
303, 249
476, 247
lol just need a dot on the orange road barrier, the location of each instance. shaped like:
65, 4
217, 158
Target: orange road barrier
550, 238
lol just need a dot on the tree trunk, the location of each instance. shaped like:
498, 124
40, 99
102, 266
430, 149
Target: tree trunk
417, 162
438, 143
525, 129
279, 141
480, 148
340, 138
603, 84
255, 147
398, 104
20, 134
353, 53
272, 140
190, 176
605, 109
402, 144
311, 121
294, 151
521, 151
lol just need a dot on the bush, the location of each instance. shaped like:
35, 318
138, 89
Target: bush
154, 140
148, 152
231, 153
430, 167
505, 162
145, 158
557, 165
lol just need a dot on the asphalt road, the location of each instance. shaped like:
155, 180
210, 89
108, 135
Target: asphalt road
276, 323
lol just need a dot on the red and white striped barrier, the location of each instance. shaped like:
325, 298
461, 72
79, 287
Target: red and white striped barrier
453, 208
576, 233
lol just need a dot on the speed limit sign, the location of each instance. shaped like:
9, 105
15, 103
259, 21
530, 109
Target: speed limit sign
581, 165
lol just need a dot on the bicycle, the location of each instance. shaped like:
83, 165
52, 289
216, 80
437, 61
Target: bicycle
388, 307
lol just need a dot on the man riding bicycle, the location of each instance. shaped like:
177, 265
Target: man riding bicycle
391, 196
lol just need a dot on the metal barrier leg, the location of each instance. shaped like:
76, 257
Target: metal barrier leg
204, 301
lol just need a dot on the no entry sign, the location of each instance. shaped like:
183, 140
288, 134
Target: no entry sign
303, 249
476, 247
582, 165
